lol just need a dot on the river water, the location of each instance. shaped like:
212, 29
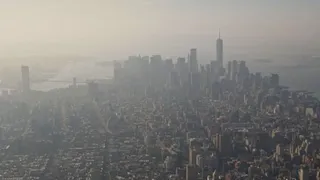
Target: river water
83, 71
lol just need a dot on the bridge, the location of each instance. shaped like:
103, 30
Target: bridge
58, 81
73, 81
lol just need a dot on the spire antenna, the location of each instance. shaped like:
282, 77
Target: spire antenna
219, 33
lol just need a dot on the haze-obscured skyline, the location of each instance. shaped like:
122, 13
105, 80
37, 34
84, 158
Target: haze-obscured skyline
117, 28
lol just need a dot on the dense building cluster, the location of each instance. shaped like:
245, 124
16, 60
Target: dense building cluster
164, 120
217, 123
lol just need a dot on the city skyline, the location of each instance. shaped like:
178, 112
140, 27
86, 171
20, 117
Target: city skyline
159, 89
111, 28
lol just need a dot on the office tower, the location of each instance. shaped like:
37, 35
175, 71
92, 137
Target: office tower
234, 70
215, 90
169, 64
220, 51
133, 63
168, 68
157, 77
192, 156
229, 70
304, 173
180, 64
223, 144
195, 80
200, 164
199, 160
214, 71
318, 174
25, 78
203, 77
279, 150
202, 69
145, 59
242, 67
208, 76
191, 172
156, 61
174, 79
252, 171
193, 62
181, 173
257, 80
274, 80
242, 71
182, 69
145, 69
284, 96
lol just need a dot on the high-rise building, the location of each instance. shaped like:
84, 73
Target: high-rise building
257, 80
193, 61
195, 80
203, 77
25, 78
223, 144
192, 156
229, 70
208, 76
181, 173
157, 77
274, 80
168, 68
242, 72
214, 71
145, 59
304, 173
234, 69
215, 90
199, 160
191, 172
156, 61
180, 63
182, 69
169, 65
220, 51
174, 79
145, 69
242, 67
279, 149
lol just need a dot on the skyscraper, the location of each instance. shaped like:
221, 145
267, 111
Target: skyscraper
223, 144
193, 62
182, 68
25, 78
174, 79
220, 51
234, 70
274, 80
229, 70
191, 172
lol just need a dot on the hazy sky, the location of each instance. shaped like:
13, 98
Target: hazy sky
124, 27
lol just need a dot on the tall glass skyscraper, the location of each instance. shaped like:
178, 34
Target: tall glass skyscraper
220, 51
